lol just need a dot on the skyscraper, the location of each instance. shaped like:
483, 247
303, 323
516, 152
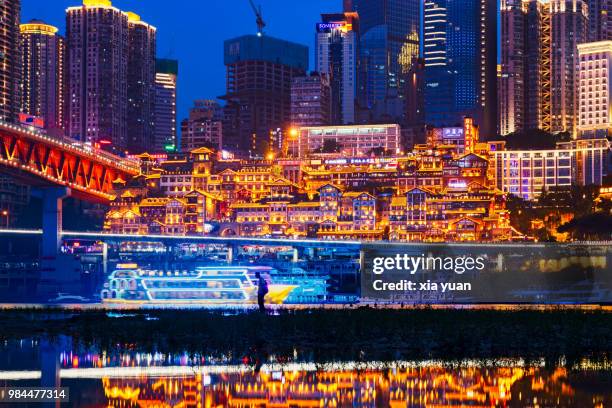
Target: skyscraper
600, 20
336, 55
164, 117
141, 84
460, 52
539, 60
512, 79
97, 61
595, 100
10, 69
204, 127
569, 21
389, 40
310, 100
43, 75
258, 90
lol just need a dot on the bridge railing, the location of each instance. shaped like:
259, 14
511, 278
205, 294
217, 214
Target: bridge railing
75, 145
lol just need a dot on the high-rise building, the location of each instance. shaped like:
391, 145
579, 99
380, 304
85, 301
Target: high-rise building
164, 116
539, 64
512, 75
389, 40
569, 21
310, 100
204, 127
141, 84
336, 55
97, 61
600, 20
10, 69
460, 52
43, 85
258, 90
595, 100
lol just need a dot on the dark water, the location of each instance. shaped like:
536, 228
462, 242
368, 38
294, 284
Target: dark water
136, 379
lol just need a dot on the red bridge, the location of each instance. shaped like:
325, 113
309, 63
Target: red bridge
41, 161
56, 168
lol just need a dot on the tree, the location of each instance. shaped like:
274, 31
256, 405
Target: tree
596, 226
534, 139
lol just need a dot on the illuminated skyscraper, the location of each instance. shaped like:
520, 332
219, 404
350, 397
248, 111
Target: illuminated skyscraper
204, 127
164, 117
460, 52
97, 61
539, 62
600, 20
336, 53
43, 74
512, 76
595, 100
568, 23
310, 100
258, 90
141, 84
10, 69
389, 40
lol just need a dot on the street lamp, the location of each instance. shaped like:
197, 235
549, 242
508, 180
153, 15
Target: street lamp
5, 214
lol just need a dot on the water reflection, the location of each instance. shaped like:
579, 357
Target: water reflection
398, 387
139, 379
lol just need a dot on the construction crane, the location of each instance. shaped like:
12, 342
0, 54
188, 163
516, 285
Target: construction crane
260, 22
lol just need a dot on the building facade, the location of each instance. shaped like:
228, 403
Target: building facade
97, 63
600, 20
336, 55
389, 41
594, 98
352, 140
259, 72
141, 84
10, 69
526, 173
203, 127
539, 64
310, 100
43, 85
164, 114
460, 52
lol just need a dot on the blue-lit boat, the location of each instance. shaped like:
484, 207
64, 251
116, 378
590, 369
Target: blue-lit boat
206, 285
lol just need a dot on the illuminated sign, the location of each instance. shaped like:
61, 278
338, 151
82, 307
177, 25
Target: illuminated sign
453, 133
327, 27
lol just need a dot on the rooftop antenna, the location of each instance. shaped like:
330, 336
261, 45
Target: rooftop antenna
259, 20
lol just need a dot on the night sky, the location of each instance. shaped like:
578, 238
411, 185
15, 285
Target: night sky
193, 32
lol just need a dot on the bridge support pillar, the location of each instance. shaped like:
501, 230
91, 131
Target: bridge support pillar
58, 272
52, 219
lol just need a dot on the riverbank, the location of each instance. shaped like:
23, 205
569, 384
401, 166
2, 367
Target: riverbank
363, 333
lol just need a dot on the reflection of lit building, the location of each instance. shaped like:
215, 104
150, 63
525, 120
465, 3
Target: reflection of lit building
350, 140
427, 386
